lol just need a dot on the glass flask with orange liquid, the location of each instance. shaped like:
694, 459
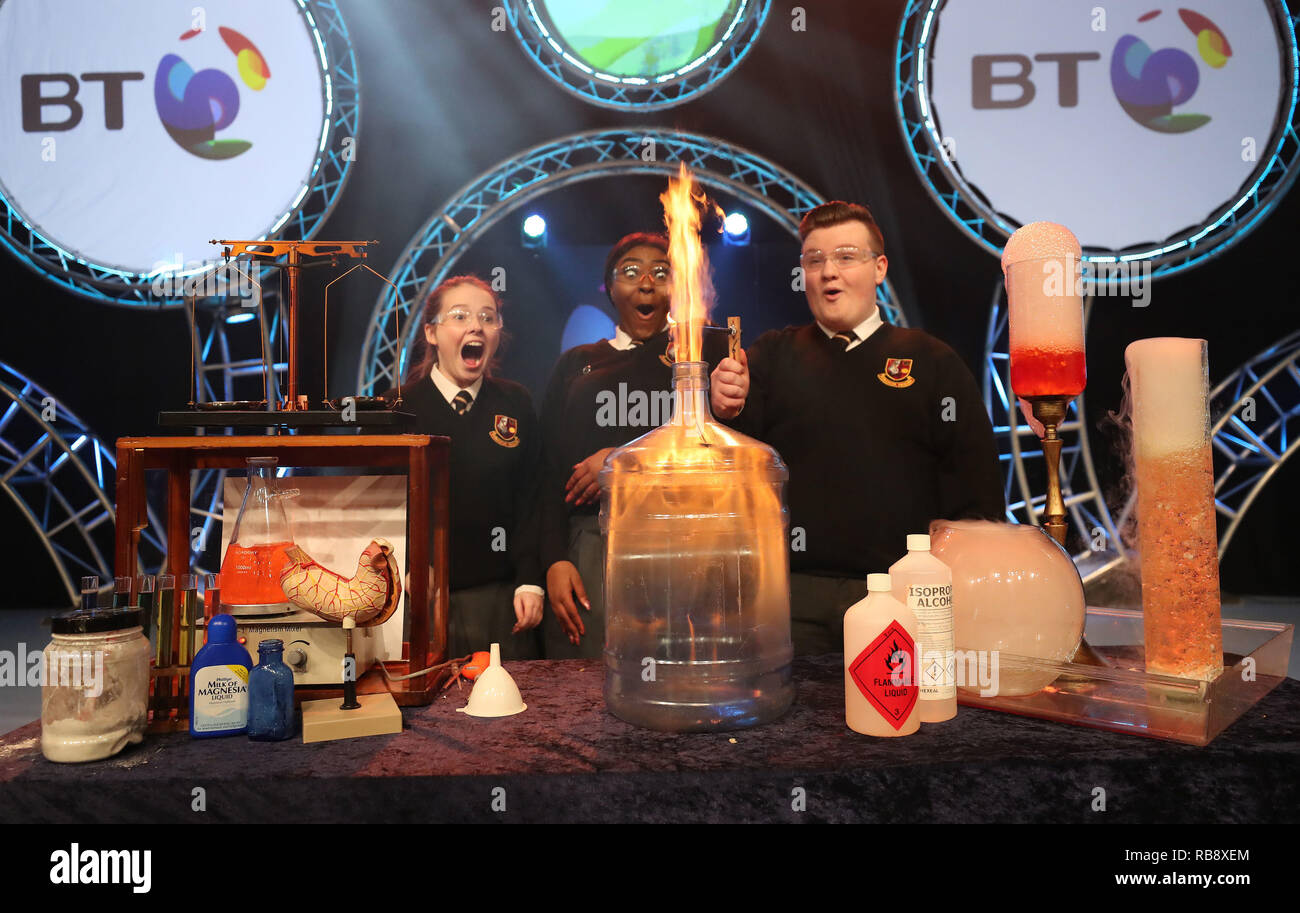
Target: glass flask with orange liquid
250, 572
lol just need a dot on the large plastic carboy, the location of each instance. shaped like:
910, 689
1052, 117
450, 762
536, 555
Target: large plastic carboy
697, 594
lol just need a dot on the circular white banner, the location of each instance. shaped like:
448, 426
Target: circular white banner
1130, 124
136, 132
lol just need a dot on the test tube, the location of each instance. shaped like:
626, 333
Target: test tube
212, 596
144, 594
189, 616
163, 655
90, 592
122, 592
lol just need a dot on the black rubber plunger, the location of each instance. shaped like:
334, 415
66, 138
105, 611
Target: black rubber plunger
349, 677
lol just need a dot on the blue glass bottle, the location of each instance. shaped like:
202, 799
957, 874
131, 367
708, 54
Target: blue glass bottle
270, 695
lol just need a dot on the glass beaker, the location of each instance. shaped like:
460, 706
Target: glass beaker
250, 572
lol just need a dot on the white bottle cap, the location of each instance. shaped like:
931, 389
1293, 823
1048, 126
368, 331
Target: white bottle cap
918, 542
878, 583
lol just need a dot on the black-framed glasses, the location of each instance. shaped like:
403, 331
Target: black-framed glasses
845, 257
632, 272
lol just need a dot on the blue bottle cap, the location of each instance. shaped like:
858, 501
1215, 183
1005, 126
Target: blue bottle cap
222, 629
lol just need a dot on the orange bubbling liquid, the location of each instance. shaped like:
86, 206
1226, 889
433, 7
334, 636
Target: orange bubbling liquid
251, 576
1048, 372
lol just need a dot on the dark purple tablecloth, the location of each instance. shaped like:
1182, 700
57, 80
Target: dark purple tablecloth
567, 759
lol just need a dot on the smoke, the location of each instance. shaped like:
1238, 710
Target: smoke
1121, 587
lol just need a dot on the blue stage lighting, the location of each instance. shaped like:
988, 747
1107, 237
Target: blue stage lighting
241, 316
735, 228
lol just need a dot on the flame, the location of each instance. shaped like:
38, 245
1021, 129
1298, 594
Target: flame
692, 294
696, 568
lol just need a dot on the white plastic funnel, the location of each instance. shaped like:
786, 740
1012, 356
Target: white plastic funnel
495, 692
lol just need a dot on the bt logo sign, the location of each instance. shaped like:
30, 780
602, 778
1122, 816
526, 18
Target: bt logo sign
1148, 85
191, 106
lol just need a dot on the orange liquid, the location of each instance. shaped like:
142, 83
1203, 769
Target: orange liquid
1047, 372
251, 576
1180, 565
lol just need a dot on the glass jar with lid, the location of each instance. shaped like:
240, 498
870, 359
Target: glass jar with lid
95, 691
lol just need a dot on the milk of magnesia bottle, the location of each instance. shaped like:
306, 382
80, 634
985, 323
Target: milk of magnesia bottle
880, 690
219, 682
924, 584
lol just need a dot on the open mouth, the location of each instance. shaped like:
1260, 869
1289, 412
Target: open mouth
832, 294
645, 310
472, 353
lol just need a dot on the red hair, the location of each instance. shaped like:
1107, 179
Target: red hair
432, 308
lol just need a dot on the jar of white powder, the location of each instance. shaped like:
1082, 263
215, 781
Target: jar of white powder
95, 689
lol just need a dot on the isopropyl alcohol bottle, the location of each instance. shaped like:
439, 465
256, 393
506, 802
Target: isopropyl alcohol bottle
219, 683
880, 690
924, 584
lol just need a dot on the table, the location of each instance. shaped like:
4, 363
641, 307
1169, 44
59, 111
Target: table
423, 457
567, 759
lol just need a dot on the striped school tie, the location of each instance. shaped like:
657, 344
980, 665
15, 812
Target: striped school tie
462, 402
844, 339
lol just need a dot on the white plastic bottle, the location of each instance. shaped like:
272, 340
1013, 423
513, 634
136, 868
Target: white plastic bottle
880, 690
924, 584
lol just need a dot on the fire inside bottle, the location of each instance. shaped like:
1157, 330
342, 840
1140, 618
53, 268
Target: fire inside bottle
697, 593
250, 571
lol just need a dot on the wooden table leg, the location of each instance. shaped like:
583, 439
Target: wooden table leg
130, 516
178, 559
440, 558
417, 552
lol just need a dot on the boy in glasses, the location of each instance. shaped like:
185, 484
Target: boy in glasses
883, 428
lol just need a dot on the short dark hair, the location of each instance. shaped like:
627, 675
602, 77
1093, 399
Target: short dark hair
837, 212
625, 244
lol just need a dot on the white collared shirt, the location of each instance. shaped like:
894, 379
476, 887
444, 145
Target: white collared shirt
863, 330
622, 342
449, 388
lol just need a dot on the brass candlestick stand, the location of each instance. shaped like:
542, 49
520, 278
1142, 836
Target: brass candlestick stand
1050, 411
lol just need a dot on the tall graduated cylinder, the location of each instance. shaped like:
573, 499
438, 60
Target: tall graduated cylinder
697, 596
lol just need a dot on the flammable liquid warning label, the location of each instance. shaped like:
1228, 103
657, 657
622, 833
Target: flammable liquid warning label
883, 673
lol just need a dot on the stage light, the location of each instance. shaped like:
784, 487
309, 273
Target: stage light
533, 232
735, 228
240, 316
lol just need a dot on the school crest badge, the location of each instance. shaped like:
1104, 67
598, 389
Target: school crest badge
898, 373
668, 357
505, 431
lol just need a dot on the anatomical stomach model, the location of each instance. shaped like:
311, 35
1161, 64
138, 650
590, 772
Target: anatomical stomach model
368, 597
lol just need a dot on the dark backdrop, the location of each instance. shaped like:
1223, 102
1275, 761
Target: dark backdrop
445, 98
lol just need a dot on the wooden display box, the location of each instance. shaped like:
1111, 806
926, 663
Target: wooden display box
425, 460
